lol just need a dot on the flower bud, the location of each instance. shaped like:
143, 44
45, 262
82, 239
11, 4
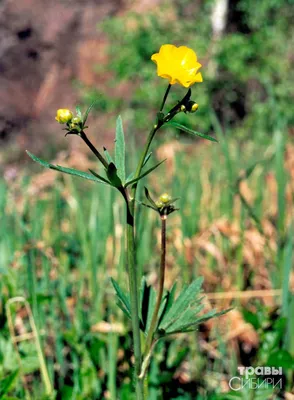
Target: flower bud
75, 123
159, 204
164, 198
192, 106
64, 116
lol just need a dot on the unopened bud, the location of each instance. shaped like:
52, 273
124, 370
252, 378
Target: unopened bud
75, 123
159, 204
192, 106
164, 198
64, 116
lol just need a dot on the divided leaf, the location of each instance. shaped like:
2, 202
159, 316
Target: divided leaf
120, 150
123, 300
70, 171
183, 301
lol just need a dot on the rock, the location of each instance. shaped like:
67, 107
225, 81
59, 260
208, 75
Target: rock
44, 46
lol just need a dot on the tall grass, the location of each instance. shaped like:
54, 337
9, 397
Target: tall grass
60, 246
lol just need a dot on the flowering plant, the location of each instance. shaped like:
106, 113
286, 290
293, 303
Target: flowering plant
162, 313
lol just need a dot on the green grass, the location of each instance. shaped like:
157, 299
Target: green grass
60, 246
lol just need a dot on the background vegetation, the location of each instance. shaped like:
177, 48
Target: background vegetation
61, 240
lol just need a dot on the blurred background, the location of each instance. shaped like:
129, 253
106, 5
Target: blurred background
58, 247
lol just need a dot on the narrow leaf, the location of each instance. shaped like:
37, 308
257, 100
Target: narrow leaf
99, 176
144, 174
124, 300
191, 131
169, 302
88, 111
189, 327
112, 176
108, 157
130, 177
120, 149
70, 171
79, 112
149, 198
147, 159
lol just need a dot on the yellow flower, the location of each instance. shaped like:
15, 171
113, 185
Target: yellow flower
178, 65
164, 198
63, 116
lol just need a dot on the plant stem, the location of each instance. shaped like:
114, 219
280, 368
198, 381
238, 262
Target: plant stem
165, 97
134, 299
153, 325
131, 260
93, 149
147, 146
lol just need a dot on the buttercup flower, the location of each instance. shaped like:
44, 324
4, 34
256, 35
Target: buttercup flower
178, 65
63, 116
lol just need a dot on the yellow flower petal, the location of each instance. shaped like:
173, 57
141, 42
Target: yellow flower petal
63, 116
177, 64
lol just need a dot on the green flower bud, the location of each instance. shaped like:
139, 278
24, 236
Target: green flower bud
164, 198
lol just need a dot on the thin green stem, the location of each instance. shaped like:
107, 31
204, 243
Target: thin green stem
131, 260
93, 149
146, 149
153, 325
134, 299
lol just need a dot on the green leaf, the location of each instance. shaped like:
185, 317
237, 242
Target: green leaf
148, 301
187, 296
147, 159
107, 156
120, 149
112, 176
79, 112
281, 358
70, 171
191, 131
182, 315
149, 198
130, 177
99, 177
148, 298
144, 174
168, 304
6, 383
192, 326
123, 299
88, 111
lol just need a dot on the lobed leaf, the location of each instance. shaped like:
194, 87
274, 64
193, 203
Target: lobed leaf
187, 296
